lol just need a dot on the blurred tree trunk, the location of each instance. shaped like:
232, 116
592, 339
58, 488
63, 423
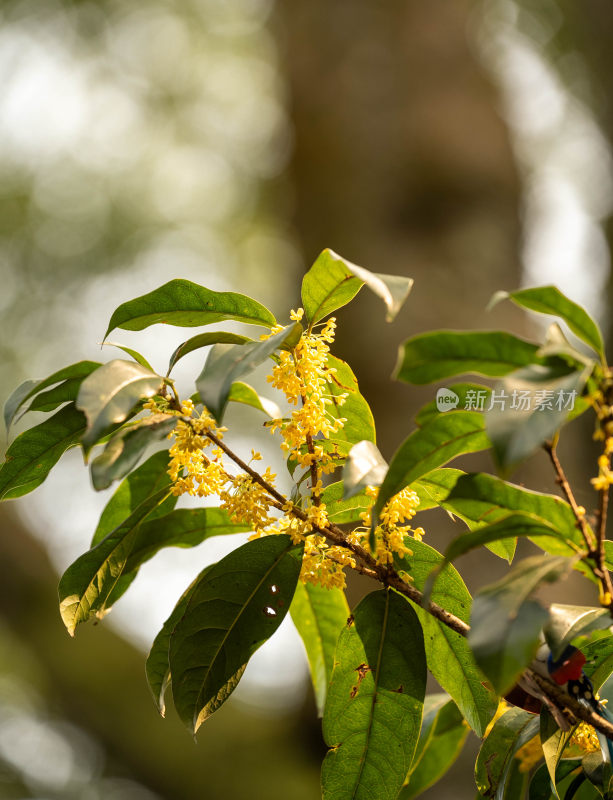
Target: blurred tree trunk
402, 165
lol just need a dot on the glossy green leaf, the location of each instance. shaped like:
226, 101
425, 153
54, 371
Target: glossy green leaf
507, 529
186, 304
31, 456
157, 666
553, 742
506, 624
319, 616
515, 433
365, 466
30, 389
436, 355
140, 484
333, 281
599, 665
566, 779
204, 340
243, 393
567, 623
109, 394
468, 397
449, 656
359, 421
432, 446
512, 730
375, 700
434, 487
233, 610
550, 300
340, 510
125, 449
228, 362
479, 499
138, 357
443, 733
598, 773
183, 527
50, 399
87, 584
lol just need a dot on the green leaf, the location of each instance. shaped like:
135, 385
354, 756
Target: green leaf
375, 700
332, 282
228, 362
204, 340
443, 733
243, 393
319, 616
140, 359
87, 584
186, 305
432, 446
183, 527
140, 484
359, 421
569, 769
505, 530
567, 623
505, 624
233, 610
125, 448
434, 487
448, 654
157, 666
29, 389
550, 300
480, 499
49, 400
365, 466
340, 510
512, 730
436, 355
110, 393
31, 456
599, 664
556, 344
553, 742
515, 434
470, 397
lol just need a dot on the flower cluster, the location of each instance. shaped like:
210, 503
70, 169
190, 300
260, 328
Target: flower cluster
303, 375
391, 532
247, 501
604, 479
191, 470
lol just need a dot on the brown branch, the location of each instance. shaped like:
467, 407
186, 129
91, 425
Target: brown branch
568, 493
389, 577
566, 702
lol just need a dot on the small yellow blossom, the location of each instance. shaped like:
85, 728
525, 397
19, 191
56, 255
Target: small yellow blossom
247, 501
390, 534
255, 456
585, 737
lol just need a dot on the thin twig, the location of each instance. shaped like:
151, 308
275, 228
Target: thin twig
568, 493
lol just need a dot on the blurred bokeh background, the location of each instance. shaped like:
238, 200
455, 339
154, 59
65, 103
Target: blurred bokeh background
465, 144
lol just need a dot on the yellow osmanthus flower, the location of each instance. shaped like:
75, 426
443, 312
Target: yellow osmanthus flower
247, 501
303, 375
604, 479
585, 738
391, 534
191, 470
